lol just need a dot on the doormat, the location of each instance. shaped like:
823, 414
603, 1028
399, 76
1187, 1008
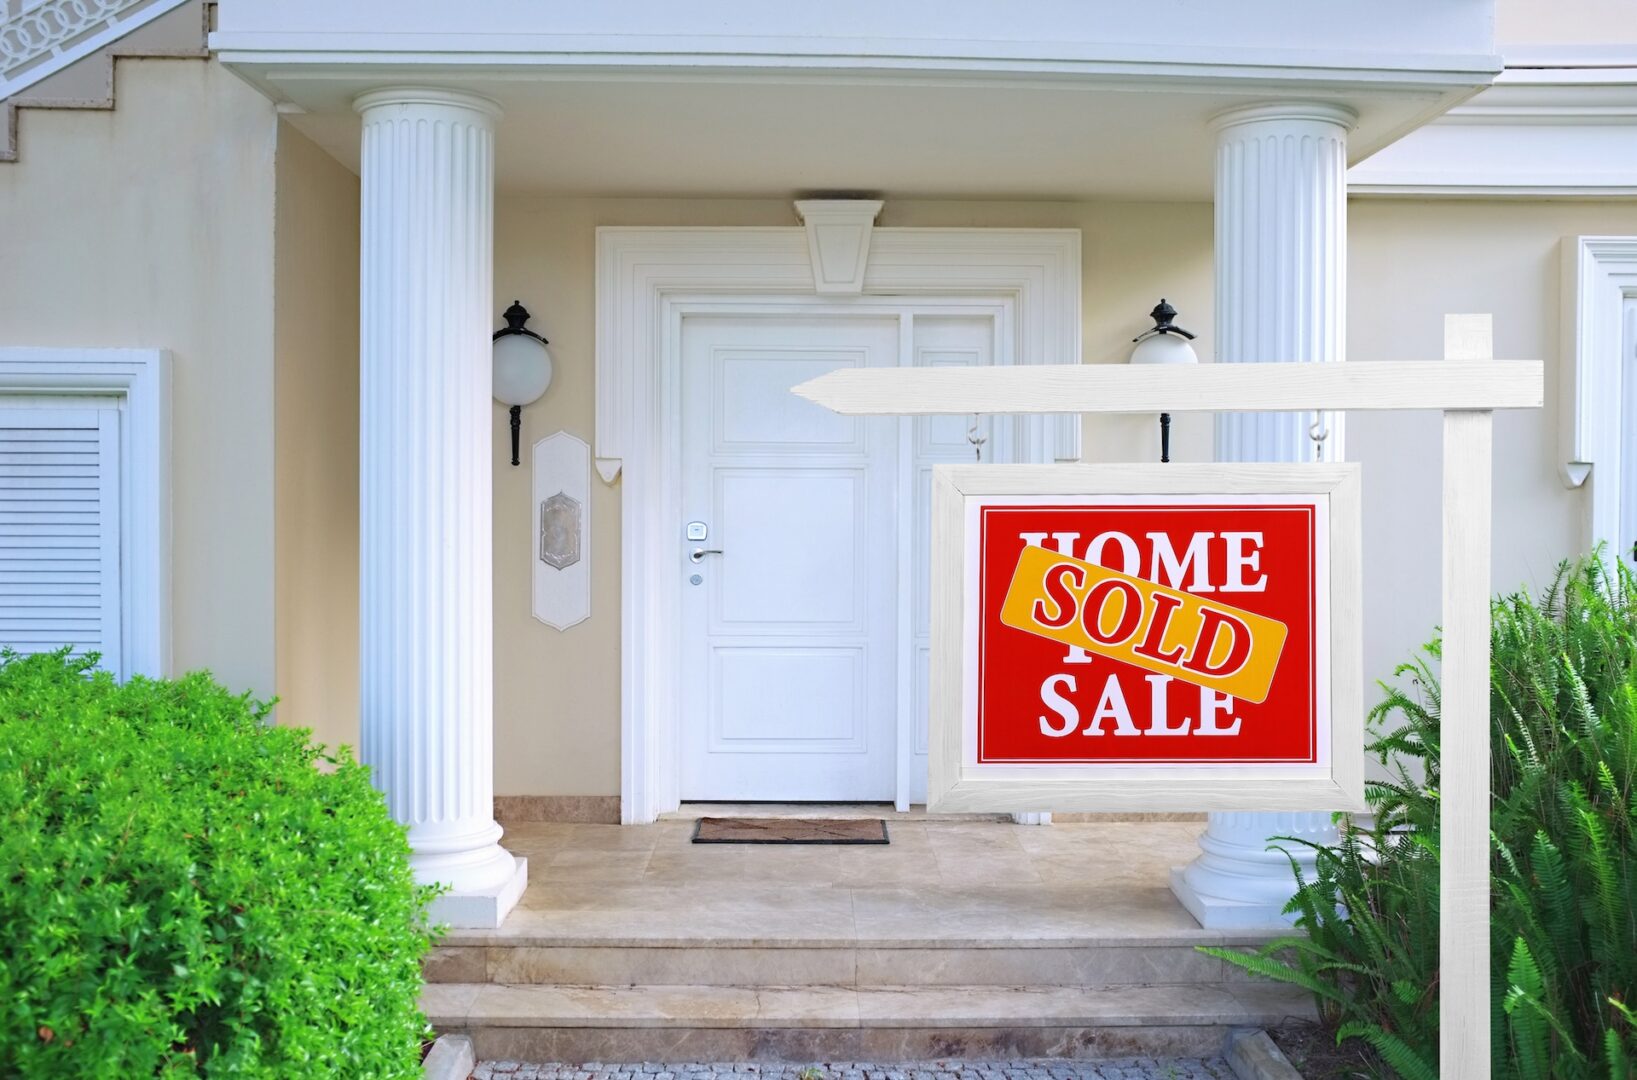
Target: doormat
766, 830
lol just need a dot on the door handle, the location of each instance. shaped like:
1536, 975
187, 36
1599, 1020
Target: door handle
698, 554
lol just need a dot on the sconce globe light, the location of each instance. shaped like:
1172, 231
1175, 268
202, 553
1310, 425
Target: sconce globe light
522, 367
1164, 343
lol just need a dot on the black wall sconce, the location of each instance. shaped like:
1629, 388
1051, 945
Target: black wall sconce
1164, 343
522, 368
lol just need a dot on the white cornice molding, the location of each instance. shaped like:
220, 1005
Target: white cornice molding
1435, 187
1559, 95
142, 377
649, 53
1535, 133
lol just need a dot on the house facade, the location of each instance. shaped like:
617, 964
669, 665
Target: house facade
252, 255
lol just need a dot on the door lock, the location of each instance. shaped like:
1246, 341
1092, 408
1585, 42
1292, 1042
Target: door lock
698, 554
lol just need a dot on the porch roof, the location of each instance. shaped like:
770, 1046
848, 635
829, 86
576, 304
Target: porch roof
1052, 99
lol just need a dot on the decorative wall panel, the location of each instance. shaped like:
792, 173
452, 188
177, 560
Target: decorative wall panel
561, 522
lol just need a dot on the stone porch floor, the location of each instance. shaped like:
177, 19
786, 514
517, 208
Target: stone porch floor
936, 881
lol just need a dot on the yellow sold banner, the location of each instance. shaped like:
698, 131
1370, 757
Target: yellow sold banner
1126, 618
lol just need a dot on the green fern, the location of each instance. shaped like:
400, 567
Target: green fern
1260, 964
1531, 1034
1406, 1060
1615, 1055
1564, 835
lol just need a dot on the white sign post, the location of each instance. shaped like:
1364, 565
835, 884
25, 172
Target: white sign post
1466, 387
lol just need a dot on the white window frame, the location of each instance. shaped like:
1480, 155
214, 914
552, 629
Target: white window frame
141, 377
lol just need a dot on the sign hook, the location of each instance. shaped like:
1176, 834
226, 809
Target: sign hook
975, 439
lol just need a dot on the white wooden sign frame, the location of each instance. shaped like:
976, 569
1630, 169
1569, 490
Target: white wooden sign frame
1466, 389
958, 784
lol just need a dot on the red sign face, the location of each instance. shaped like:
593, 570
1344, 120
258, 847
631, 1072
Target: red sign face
1127, 632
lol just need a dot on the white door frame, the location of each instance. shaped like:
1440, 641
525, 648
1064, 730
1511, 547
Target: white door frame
1599, 277
647, 280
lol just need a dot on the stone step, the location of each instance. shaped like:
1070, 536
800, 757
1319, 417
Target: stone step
878, 1023
850, 963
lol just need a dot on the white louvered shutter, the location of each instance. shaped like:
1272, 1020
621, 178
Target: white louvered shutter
59, 530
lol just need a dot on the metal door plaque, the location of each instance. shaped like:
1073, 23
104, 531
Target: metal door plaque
560, 531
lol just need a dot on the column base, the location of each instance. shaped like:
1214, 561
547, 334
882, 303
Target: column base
482, 910
1221, 913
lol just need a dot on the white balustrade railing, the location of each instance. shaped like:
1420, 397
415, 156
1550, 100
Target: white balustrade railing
41, 37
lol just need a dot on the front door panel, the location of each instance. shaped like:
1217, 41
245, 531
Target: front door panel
789, 634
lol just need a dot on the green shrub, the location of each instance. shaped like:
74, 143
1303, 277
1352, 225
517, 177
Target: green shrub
1563, 713
184, 891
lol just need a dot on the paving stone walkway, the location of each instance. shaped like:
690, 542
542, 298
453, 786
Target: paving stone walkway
1127, 1069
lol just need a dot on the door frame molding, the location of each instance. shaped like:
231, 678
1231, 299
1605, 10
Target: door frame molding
647, 280
1599, 276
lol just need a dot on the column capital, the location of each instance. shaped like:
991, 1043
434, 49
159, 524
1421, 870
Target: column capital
1274, 112
428, 97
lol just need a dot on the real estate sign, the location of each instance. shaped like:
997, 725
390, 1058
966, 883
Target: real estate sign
1174, 637
1064, 593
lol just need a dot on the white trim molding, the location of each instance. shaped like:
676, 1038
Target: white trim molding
648, 278
1599, 276
1394, 43
1563, 131
142, 378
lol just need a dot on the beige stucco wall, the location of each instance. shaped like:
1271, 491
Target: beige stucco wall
557, 694
1409, 264
315, 408
1564, 22
151, 225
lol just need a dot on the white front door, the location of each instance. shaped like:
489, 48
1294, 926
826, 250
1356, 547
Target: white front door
789, 610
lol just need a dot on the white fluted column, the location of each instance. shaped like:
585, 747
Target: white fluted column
1281, 295
426, 625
